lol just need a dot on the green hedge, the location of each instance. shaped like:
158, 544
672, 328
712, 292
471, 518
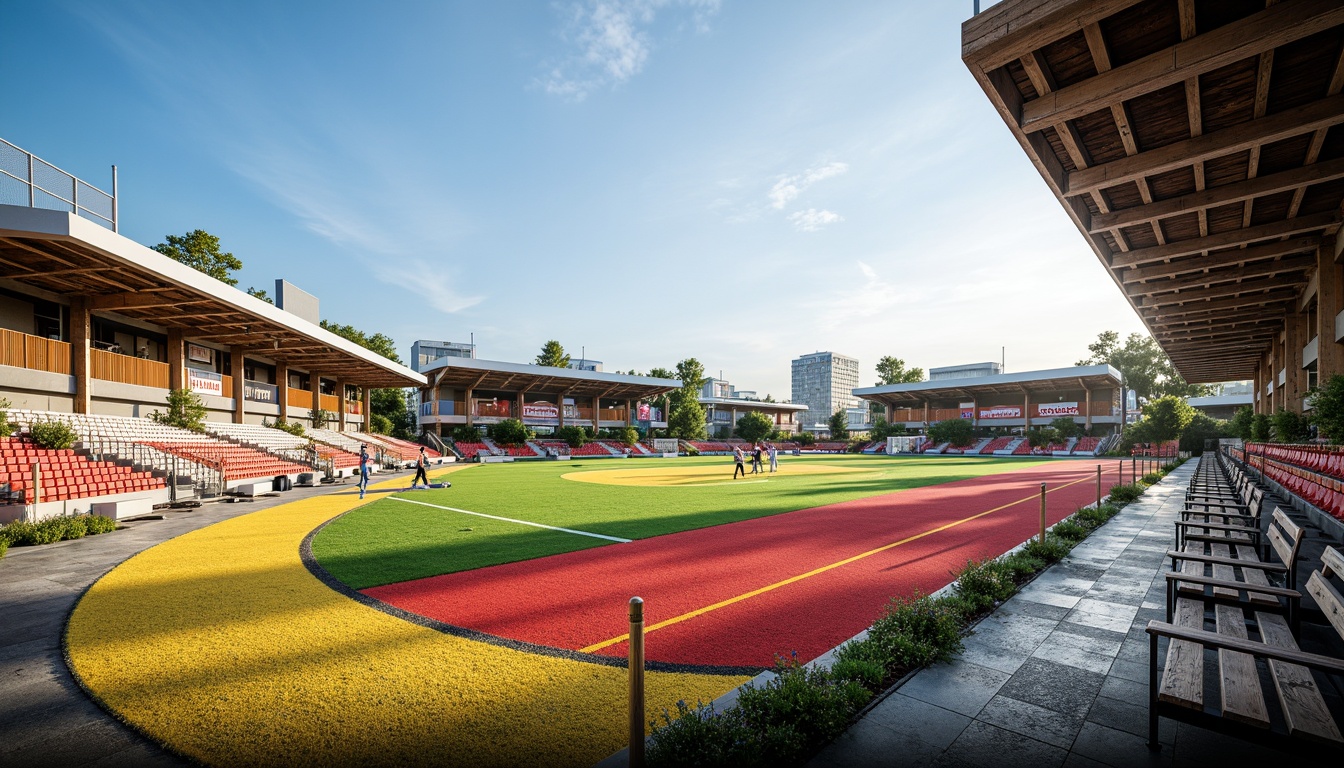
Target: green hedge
54, 529
790, 718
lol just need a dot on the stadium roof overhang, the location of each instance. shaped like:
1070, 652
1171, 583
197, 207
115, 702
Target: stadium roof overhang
758, 405
1197, 145
471, 373
1088, 377
63, 254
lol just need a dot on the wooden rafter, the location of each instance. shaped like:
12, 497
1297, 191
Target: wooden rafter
1164, 313
1222, 259
1210, 292
1233, 238
1207, 279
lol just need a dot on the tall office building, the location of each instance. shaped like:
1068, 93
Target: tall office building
825, 382
425, 352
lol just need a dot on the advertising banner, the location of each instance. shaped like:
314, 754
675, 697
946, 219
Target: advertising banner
205, 382
642, 412
540, 411
198, 354
665, 445
968, 410
260, 393
1002, 412
1050, 410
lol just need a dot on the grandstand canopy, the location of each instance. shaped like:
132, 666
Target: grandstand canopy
1198, 145
1089, 377
471, 373
60, 253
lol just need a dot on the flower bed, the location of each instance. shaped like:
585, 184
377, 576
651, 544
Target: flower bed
52, 530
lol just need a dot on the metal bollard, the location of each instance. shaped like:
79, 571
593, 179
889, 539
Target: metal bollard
1042, 513
636, 682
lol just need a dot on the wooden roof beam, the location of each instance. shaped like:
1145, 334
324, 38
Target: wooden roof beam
1255, 34
1316, 115
1297, 178
1212, 292
1168, 311
1259, 269
1198, 245
139, 300
1301, 244
1318, 138
1001, 32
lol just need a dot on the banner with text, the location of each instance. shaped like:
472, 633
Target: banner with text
540, 411
1051, 410
205, 382
968, 410
258, 392
1002, 412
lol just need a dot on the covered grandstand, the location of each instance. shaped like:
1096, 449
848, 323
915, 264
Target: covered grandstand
1088, 394
1199, 148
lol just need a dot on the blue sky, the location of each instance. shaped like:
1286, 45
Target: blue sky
742, 182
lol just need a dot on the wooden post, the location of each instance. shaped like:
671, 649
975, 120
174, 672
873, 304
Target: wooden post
282, 389
177, 364
1042, 513
368, 407
1329, 302
236, 365
80, 331
340, 407
636, 721
471, 407
1087, 418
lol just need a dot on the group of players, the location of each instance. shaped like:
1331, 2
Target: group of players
757, 452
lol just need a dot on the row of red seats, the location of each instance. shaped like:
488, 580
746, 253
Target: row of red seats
1086, 444
469, 450
68, 475
520, 451
1321, 490
237, 462
997, 444
590, 449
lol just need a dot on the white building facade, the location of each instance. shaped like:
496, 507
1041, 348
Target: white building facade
825, 383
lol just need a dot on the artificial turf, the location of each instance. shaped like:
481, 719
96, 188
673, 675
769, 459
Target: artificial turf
389, 541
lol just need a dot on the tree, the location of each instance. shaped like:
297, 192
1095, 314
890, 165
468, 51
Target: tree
629, 436
1143, 365
389, 404
553, 355
1164, 419
1066, 427
186, 410
1202, 429
319, 418
1290, 427
574, 436
1260, 428
380, 343
509, 432
199, 250
1327, 409
259, 293
892, 370
1039, 437
839, 425
958, 432
692, 376
1240, 423
754, 426
687, 421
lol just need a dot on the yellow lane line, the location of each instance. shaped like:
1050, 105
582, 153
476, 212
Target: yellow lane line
792, 579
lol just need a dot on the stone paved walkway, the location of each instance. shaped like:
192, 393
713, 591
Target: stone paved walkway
1058, 675
45, 718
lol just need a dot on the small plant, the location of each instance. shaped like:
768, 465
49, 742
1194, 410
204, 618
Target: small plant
319, 418
574, 437
1152, 478
186, 410
629, 436
1070, 531
6, 428
4, 547
1124, 494
53, 435
913, 632
292, 427
1052, 550
54, 529
97, 524
985, 583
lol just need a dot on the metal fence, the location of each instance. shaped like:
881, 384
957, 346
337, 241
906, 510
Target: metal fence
28, 180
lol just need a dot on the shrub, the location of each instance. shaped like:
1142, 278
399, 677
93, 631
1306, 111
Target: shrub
1070, 531
1289, 427
1124, 494
1096, 516
97, 524
4, 547
52, 435
6, 428
628, 435
1152, 478
1327, 409
958, 432
1201, 430
1259, 427
984, 583
1052, 550
509, 432
574, 436
319, 418
292, 427
912, 632
54, 529
801, 709
464, 434
186, 410
866, 672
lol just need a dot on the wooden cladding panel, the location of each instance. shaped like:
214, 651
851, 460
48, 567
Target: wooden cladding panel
300, 399
23, 350
1302, 69
330, 403
1136, 32
110, 366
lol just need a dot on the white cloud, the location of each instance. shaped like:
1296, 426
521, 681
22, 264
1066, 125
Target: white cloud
613, 41
813, 220
788, 188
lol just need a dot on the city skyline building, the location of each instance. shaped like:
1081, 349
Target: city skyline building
825, 383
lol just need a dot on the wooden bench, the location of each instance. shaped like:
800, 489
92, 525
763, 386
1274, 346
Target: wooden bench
1304, 722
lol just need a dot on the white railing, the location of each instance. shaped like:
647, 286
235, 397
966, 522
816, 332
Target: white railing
26, 179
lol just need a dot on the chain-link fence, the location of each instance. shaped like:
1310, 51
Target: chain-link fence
28, 180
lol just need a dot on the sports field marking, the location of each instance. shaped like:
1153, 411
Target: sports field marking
520, 522
697, 476
793, 579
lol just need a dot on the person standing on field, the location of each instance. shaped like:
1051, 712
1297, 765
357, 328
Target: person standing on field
420, 463
774, 459
737, 462
756, 459
363, 469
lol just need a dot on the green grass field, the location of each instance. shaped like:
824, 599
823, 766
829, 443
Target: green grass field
390, 541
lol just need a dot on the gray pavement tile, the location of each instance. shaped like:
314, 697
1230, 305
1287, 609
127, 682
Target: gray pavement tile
1097, 620
1128, 691
1119, 748
1130, 670
1030, 720
1075, 760
1046, 596
1107, 642
982, 744
962, 687
1004, 641
1202, 746
869, 744
1054, 686
1039, 610
1131, 718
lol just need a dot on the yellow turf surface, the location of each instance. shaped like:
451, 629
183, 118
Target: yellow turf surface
700, 475
221, 645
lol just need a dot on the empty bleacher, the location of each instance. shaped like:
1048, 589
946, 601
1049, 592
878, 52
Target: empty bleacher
66, 474
997, 444
283, 444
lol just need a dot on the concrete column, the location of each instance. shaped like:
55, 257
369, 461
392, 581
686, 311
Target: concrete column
177, 374
340, 406
629, 413
81, 328
1330, 354
1258, 386
236, 365
282, 389
926, 413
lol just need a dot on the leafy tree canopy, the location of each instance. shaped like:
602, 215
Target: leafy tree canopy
687, 421
839, 425
509, 432
383, 345
958, 432
553, 355
892, 370
1240, 424
1164, 419
200, 250
1290, 427
754, 426
1327, 409
1145, 367
1066, 427
260, 293
1260, 427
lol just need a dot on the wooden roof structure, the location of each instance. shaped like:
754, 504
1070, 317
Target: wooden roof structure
62, 254
475, 374
1198, 145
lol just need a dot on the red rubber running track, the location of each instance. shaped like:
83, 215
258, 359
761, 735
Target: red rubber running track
577, 600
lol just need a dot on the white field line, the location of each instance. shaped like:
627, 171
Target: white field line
725, 482
511, 520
